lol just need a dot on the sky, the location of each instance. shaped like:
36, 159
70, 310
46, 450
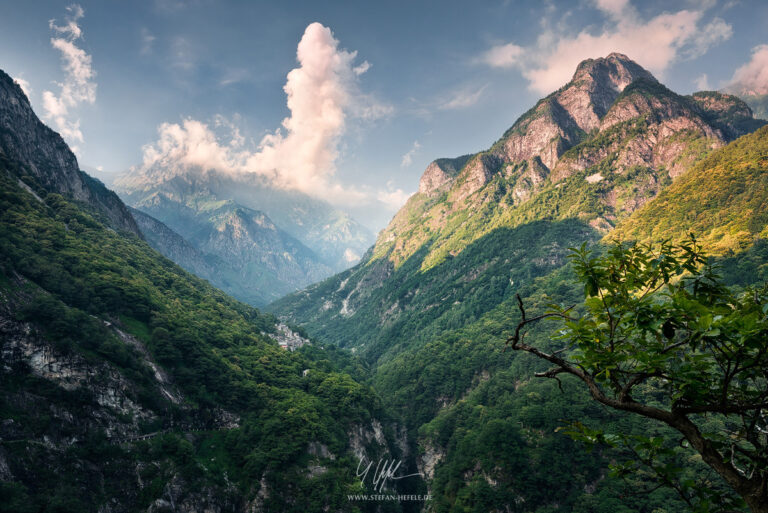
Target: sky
343, 100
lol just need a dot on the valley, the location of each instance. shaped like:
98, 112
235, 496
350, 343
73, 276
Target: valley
186, 345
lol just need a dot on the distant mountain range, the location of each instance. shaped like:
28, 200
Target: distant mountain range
268, 241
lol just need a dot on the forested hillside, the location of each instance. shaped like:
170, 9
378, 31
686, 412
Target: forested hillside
129, 384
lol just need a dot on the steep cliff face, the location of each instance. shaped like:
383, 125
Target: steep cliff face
440, 173
563, 119
46, 157
112, 400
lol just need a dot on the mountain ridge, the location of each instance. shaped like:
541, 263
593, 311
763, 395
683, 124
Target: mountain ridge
47, 159
644, 126
266, 258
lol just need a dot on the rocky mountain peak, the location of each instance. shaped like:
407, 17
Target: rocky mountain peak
25, 139
440, 173
595, 86
603, 93
616, 71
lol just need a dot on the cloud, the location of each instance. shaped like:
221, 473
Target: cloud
702, 82
463, 99
147, 41
614, 8
183, 55
362, 68
78, 86
752, 77
408, 157
655, 43
504, 56
393, 198
322, 94
234, 76
24, 84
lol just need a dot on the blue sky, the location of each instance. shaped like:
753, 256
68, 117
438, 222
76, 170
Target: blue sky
428, 79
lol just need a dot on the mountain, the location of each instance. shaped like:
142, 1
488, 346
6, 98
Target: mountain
723, 200
127, 384
582, 159
277, 240
43, 157
209, 267
261, 262
430, 305
758, 103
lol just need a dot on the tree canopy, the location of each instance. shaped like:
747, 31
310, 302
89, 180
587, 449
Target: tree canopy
660, 336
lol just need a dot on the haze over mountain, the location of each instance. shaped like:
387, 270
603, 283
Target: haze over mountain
271, 241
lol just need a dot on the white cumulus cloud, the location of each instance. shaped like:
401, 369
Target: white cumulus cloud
393, 198
752, 77
463, 98
702, 82
78, 86
655, 43
24, 84
322, 95
408, 157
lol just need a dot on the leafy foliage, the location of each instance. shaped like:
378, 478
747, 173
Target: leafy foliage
663, 338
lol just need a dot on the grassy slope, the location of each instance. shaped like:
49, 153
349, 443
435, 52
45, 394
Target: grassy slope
723, 200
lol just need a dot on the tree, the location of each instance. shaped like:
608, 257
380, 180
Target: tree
660, 336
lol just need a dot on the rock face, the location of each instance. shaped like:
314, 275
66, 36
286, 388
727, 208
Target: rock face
561, 120
112, 395
439, 173
602, 94
49, 161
